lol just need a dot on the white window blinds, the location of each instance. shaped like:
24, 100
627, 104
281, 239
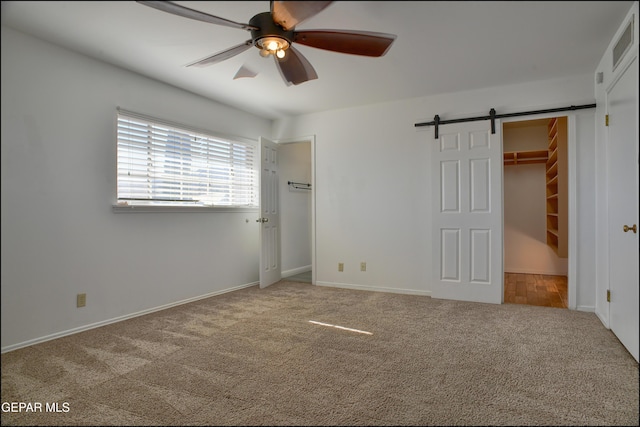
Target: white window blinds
160, 164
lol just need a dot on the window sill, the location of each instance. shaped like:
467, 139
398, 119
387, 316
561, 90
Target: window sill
174, 209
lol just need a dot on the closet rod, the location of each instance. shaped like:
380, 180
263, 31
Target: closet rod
492, 116
299, 185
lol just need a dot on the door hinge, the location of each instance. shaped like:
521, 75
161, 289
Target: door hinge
608, 295
606, 120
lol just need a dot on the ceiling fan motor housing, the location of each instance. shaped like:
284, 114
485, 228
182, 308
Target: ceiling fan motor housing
268, 28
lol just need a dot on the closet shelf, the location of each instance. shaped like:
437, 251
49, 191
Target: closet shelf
556, 186
525, 157
553, 155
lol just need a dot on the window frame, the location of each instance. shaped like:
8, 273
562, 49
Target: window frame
125, 205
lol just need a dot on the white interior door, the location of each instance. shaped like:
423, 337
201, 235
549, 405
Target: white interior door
466, 173
269, 214
622, 154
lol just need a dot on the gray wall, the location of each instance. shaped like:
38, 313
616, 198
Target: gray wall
59, 234
373, 199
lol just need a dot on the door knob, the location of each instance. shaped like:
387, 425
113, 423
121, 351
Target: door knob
262, 220
627, 228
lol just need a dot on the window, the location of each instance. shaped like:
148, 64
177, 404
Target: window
164, 165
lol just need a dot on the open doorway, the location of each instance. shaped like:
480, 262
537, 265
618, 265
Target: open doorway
296, 209
535, 187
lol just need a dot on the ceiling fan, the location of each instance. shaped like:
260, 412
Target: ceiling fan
274, 33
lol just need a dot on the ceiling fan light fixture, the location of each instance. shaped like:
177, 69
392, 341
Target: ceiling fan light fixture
272, 45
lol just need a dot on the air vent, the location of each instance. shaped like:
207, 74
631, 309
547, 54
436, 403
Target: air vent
623, 44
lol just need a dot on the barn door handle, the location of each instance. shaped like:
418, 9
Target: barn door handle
627, 228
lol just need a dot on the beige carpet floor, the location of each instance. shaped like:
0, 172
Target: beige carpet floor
298, 354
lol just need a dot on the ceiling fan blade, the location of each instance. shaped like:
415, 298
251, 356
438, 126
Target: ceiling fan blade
295, 68
288, 14
221, 56
176, 9
366, 43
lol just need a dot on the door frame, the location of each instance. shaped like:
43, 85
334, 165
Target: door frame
572, 267
631, 60
312, 140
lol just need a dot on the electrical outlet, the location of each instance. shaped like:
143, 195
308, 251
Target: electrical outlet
81, 300
363, 266
340, 266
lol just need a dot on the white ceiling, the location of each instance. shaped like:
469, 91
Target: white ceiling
441, 46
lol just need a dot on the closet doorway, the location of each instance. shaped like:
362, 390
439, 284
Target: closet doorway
535, 203
297, 208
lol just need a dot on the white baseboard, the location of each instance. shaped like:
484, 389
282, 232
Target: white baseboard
119, 319
295, 271
587, 308
374, 288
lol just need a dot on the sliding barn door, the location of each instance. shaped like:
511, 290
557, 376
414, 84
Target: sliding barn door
269, 214
466, 173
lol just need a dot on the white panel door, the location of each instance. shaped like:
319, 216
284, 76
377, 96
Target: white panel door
466, 173
269, 214
622, 154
